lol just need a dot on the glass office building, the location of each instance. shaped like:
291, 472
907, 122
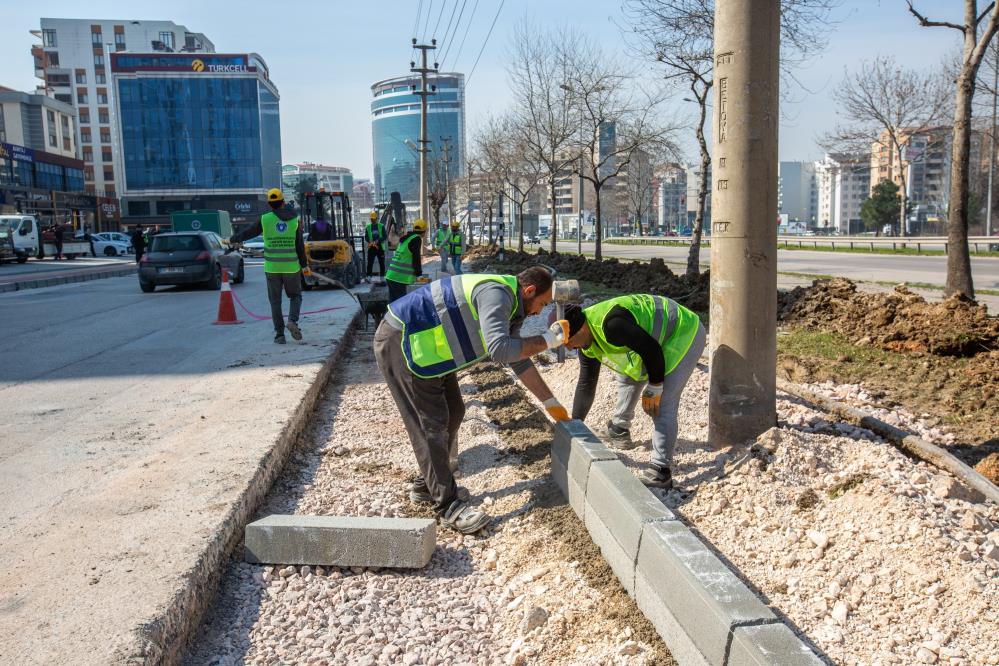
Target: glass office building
395, 132
196, 131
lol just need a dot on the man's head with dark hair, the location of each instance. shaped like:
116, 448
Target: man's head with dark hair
276, 204
536, 286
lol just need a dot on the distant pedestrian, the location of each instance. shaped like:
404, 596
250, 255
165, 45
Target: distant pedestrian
376, 236
440, 246
284, 261
138, 243
89, 237
57, 233
455, 246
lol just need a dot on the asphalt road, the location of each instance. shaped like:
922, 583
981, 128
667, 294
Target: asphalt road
856, 266
128, 422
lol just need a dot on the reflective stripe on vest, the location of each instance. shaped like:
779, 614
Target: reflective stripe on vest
669, 323
400, 268
440, 325
280, 255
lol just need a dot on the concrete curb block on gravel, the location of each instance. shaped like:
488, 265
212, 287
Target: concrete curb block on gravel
163, 639
702, 610
66, 279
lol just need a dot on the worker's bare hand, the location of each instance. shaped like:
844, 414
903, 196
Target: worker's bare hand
652, 397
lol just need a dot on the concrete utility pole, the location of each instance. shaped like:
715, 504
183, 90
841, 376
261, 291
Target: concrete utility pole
446, 140
742, 401
423, 92
992, 143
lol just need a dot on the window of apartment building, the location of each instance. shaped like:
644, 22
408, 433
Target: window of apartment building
49, 38
84, 116
167, 39
88, 173
98, 61
52, 128
105, 135
109, 174
65, 99
53, 58
84, 135
66, 139
81, 97
119, 41
95, 36
57, 79
3, 128
103, 116
106, 155
102, 96
88, 154
81, 76
99, 77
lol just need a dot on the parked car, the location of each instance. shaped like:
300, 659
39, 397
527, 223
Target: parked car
253, 247
111, 244
188, 257
533, 239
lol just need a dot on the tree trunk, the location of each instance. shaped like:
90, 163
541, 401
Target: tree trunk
597, 254
694, 257
554, 226
490, 226
902, 194
958, 258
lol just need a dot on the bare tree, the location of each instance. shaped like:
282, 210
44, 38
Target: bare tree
637, 189
679, 34
977, 29
885, 105
491, 183
539, 71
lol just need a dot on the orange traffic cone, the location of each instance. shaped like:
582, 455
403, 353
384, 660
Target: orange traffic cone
227, 309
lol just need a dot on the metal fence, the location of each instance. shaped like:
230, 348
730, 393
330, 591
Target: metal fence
977, 243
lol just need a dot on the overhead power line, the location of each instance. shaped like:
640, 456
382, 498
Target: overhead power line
416, 23
455, 33
439, 15
430, 10
485, 42
471, 17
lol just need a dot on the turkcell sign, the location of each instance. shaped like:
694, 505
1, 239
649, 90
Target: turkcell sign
227, 68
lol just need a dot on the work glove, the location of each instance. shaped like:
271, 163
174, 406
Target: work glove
557, 334
556, 410
307, 272
423, 279
652, 396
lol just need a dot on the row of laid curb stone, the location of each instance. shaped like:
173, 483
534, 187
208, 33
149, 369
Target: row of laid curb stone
703, 612
67, 279
162, 639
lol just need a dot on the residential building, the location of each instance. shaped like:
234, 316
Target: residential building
671, 197
330, 178
395, 132
797, 194
363, 196
40, 171
693, 181
72, 62
196, 131
842, 186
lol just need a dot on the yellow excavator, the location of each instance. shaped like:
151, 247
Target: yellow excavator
331, 248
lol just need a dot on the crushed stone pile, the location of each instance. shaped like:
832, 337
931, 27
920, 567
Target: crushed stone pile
899, 320
653, 277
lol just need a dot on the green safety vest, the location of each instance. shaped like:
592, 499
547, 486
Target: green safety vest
401, 268
456, 243
673, 326
441, 333
375, 233
280, 255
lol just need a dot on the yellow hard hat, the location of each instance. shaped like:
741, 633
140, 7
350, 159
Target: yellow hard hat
420, 225
455, 224
274, 194
373, 216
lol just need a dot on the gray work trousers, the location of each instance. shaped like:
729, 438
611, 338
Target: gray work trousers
431, 410
629, 392
291, 284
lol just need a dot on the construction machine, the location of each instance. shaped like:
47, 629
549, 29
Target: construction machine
333, 250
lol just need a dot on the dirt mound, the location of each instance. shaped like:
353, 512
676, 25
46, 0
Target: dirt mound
653, 277
898, 321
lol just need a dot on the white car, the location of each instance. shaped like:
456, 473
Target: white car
253, 247
111, 244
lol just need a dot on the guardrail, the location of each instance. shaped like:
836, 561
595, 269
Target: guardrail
977, 243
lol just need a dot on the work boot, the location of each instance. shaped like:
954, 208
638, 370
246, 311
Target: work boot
419, 493
295, 331
461, 517
618, 437
279, 339
657, 476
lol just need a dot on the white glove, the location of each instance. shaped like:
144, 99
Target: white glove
557, 334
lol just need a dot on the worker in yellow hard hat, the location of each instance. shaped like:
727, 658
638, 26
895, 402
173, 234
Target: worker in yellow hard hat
455, 246
284, 261
405, 267
376, 235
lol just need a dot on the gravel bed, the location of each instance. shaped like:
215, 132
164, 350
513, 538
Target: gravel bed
531, 589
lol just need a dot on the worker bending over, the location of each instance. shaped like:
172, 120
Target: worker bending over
404, 268
376, 236
652, 343
456, 246
284, 261
431, 334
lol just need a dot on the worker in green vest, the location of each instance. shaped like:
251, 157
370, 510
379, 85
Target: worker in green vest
405, 267
284, 261
455, 246
652, 343
439, 244
376, 236
433, 332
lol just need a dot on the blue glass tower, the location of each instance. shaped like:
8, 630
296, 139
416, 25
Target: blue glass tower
395, 132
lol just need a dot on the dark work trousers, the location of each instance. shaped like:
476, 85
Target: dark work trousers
396, 289
381, 261
431, 409
291, 284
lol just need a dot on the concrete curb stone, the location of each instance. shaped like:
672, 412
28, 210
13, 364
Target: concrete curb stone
767, 644
69, 279
574, 449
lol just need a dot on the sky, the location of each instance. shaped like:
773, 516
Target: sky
324, 56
